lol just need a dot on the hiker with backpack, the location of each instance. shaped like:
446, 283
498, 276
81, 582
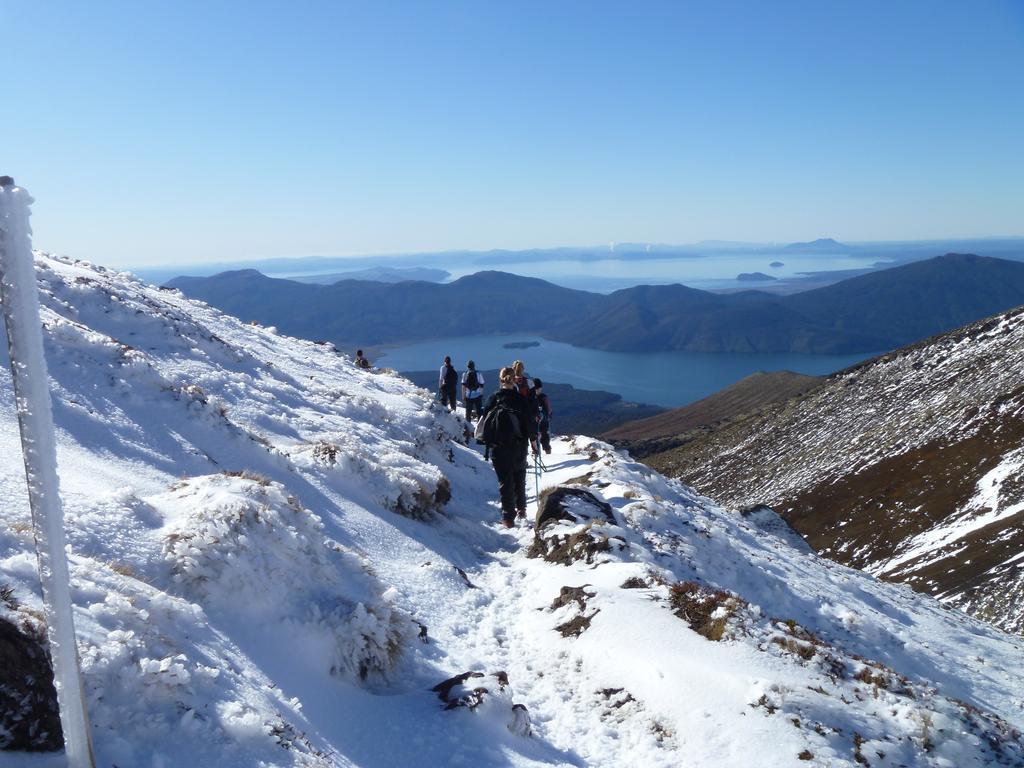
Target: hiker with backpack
544, 411
361, 361
472, 390
447, 383
506, 427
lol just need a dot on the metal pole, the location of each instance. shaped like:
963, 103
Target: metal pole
20, 298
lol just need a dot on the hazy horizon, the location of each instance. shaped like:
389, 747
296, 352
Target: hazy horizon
367, 260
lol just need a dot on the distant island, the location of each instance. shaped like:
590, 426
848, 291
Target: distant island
754, 277
776, 264
821, 245
520, 344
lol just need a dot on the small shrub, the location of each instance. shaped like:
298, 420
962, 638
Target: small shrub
805, 651
706, 610
121, 568
869, 676
326, 453
245, 474
634, 582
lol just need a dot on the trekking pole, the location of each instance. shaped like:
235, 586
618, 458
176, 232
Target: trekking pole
20, 299
538, 468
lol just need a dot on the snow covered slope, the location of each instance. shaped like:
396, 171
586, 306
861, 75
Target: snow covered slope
907, 466
281, 559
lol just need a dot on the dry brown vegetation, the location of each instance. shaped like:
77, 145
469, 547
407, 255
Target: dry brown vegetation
705, 609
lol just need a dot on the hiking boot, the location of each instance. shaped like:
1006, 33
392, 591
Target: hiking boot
508, 522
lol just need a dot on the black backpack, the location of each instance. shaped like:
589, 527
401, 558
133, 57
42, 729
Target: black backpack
499, 426
472, 382
451, 377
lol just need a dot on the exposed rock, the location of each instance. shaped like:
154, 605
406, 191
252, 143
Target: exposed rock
568, 595
563, 503
489, 695
29, 718
569, 527
577, 625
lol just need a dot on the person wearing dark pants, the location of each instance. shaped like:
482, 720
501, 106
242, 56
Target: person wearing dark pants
472, 390
447, 383
516, 427
510, 467
544, 411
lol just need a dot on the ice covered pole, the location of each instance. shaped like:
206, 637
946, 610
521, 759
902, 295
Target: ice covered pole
20, 298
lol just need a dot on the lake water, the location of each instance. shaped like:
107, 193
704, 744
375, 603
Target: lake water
669, 379
707, 272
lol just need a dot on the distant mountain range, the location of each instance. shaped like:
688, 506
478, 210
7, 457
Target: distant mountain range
380, 275
907, 466
873, 312
365, 312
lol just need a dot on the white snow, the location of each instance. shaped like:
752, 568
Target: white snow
267, 570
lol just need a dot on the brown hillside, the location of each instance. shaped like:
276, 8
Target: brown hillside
908, 466
749, 395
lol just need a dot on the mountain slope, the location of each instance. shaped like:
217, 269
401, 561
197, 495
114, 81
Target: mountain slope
744, 397
912, 302
906, 466
870, 313
281, 559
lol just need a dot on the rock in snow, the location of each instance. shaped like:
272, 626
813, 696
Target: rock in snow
261, 532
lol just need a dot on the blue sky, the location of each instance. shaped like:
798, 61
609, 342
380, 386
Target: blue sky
164, 133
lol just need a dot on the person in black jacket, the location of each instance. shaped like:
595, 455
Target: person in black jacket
544, 410
508, 455
447, 382
525, 387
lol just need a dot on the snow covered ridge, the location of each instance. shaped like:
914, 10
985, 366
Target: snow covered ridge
280, 559
906, 466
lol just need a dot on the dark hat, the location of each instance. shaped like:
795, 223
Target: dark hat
471, 364
537, 383
448, 359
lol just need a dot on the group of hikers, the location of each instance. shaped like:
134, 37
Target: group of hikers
516, 419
